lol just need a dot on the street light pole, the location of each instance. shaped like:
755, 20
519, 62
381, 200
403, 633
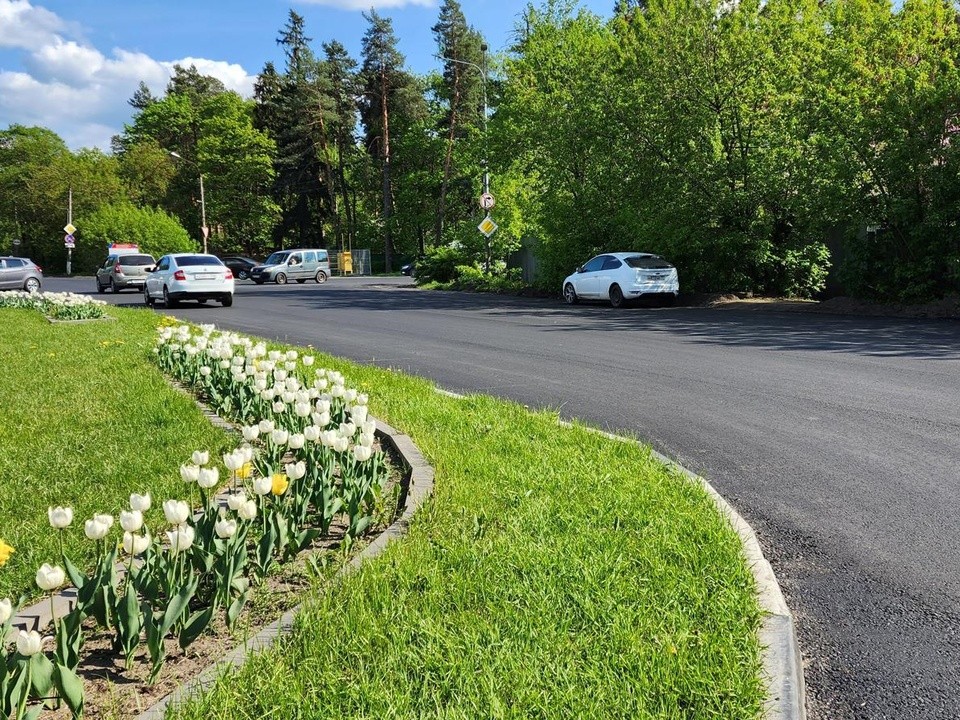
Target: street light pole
203, 203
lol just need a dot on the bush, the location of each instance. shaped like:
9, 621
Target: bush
153, 231
439, 265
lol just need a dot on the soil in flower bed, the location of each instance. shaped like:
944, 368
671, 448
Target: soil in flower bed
112, 691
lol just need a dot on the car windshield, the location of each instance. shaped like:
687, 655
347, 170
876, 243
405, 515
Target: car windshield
188, 260
136, 260
276, 258
647, 262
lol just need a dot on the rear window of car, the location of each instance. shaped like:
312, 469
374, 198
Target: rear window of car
136, 260
639, 262
188, 260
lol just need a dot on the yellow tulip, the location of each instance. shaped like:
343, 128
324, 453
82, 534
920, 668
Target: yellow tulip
245, 471
280, 484
5, 552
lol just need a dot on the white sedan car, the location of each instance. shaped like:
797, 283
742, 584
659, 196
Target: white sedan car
622, 276
189, 276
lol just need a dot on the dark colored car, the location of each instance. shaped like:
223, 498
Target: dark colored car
409, 269
240, 265
19, 274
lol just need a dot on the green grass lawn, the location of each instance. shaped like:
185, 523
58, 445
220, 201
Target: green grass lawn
554, 574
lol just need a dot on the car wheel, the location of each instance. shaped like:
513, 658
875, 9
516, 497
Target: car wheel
616, 296
112, 286
146, 297
32, 285
280, 279
99, 286
166, 299
570, 294
321, 277
226, 300
300, 282
243, 275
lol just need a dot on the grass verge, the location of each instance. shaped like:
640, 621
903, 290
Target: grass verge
555, 573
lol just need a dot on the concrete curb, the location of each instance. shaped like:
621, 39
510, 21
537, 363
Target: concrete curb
419, 488
782, 662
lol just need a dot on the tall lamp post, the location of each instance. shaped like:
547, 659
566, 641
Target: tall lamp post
486, 169
203, 205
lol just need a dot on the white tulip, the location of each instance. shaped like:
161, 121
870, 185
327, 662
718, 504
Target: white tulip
266, 426
6, 610
209, 477
266, 394
349, 396
140, 502
200, 457
320, 383
189, 473
362, 453
311, 433
135, 544
369, 427
104, 519
95, 530
359, 414
307, 360
362, 399
248, 511
224, 364
280, 375
205, 371
262, 485
302, 409
180, 538
295, 442
233, 461
50, 577
235, 501
176, 511
225, 528
274, 355
279, 436
292, 355
341, 444
247, 452
251, 433
321, 419
60, 517
347, 429
131, 521
29, 643
290, 366
288, 397
296, 470
279, 407
366, 440
337, 391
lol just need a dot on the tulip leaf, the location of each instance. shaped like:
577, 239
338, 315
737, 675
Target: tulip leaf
176, 608
70, 688
233, 612
76, 577
41, 673
195, 626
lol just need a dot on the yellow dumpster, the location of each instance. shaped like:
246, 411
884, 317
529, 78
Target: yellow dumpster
346, 263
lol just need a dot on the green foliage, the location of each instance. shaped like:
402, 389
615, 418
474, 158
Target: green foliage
154, 231
439, 264
501, 280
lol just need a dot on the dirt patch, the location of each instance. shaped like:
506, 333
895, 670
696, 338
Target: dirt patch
945, 308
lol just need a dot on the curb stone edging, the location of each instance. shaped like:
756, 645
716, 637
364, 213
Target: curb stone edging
419, 488
782, 662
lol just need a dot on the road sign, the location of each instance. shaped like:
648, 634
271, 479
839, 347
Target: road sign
69, 229
206, 232
16, 242
487, 202
69, 242
488, 227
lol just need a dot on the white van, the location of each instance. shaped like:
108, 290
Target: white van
301, 264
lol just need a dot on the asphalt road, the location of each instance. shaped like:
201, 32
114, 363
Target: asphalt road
838, 438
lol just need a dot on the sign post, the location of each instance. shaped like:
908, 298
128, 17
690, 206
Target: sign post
69, 242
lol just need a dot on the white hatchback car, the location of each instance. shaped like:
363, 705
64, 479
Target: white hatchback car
189, 276
622, 276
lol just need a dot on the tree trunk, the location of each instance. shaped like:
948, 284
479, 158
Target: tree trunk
447, 161
387, 190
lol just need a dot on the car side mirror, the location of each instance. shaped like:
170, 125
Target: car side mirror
580, 269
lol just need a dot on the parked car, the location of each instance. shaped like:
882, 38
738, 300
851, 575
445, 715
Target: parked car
409, 269
120, 271
189, 276
18, 273
240, 265
301, 265
622, 276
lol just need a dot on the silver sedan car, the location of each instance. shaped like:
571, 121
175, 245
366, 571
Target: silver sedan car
19, 274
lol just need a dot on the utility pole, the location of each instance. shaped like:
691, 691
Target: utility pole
69, 224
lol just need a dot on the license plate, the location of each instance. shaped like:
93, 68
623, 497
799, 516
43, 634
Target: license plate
205, 276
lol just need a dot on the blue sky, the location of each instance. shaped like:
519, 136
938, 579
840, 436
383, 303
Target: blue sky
72, 65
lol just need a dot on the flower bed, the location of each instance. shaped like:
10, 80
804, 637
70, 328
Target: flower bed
309, 461
56, 306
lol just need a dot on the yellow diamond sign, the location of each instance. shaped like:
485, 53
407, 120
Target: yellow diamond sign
488, 227
69, 229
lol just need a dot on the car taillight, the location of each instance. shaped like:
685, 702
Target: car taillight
179, 275
228, 275
117, 269
39, 269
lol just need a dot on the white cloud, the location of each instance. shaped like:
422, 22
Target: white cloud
367, 4
76, 90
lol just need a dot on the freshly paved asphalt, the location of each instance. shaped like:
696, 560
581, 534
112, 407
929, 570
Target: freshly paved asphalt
838, 438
